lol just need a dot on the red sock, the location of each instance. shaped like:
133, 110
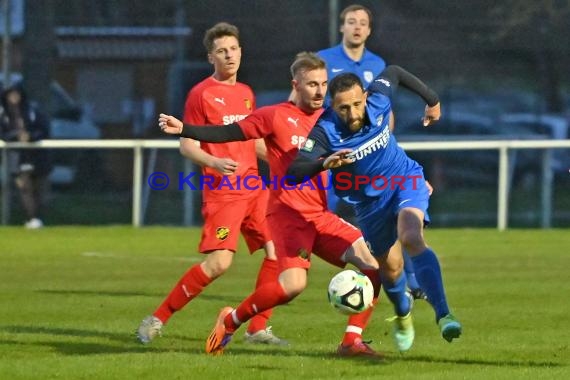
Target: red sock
268, 273
358, 322
264, 297
187, 288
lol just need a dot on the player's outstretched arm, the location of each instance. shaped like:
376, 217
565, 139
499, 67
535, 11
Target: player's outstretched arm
220, 134
393, 76
304, 167
316, 156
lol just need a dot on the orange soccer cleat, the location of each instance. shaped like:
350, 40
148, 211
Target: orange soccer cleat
218, 338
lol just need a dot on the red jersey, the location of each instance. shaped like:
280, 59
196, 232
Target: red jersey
214, 103
285, 128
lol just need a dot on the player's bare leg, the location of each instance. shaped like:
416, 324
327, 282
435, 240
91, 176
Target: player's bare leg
428, 271
291, 283
189, 286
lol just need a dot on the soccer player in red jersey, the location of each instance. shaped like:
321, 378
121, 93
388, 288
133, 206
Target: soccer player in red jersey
228, 209
298, 217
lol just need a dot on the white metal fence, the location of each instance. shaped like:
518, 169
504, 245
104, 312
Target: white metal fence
505, 148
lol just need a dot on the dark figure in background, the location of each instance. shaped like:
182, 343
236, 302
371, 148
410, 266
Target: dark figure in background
21, 121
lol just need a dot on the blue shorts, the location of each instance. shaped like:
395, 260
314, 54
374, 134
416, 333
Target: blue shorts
377, 217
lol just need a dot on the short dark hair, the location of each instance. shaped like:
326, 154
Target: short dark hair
221, 29
306, 61
344, 82
354, 8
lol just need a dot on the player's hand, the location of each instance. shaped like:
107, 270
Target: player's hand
225, 166
169, 124
337, 159
431, 115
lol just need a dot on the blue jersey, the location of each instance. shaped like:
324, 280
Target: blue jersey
367, 68
379, 160
382, 180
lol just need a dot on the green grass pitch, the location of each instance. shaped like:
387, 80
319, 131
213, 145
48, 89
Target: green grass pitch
71, 298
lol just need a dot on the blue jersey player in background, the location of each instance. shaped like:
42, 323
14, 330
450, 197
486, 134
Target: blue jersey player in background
387, 188
352, 56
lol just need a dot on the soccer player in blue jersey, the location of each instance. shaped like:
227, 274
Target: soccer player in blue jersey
352, 56
387, 188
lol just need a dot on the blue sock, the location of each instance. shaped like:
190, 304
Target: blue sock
410, 273
396, 292
428, 274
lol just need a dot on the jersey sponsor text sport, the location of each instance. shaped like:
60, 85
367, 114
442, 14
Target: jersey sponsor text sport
285, 128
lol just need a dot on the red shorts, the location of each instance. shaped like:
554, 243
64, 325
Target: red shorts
223, 221
296, 238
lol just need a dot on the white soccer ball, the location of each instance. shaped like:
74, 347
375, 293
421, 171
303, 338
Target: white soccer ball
350, 292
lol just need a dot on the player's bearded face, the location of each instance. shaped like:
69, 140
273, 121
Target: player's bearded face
311, 88
350, 107
225, 56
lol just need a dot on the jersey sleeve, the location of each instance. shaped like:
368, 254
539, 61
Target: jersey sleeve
383, 84
308, 162
393, 76
194, 110
258, 124
317, 144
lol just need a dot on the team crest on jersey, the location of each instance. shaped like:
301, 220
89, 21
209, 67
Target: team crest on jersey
368, 76
222, 233
309, 145
303, 253
247, 104
379, 120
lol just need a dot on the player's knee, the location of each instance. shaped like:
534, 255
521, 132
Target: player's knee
293, 289
392, 265
293, 281
391, 272
413, 242
293, 285
216, 265
215, 270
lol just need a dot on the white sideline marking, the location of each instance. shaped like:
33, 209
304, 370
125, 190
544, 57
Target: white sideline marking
110, 255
